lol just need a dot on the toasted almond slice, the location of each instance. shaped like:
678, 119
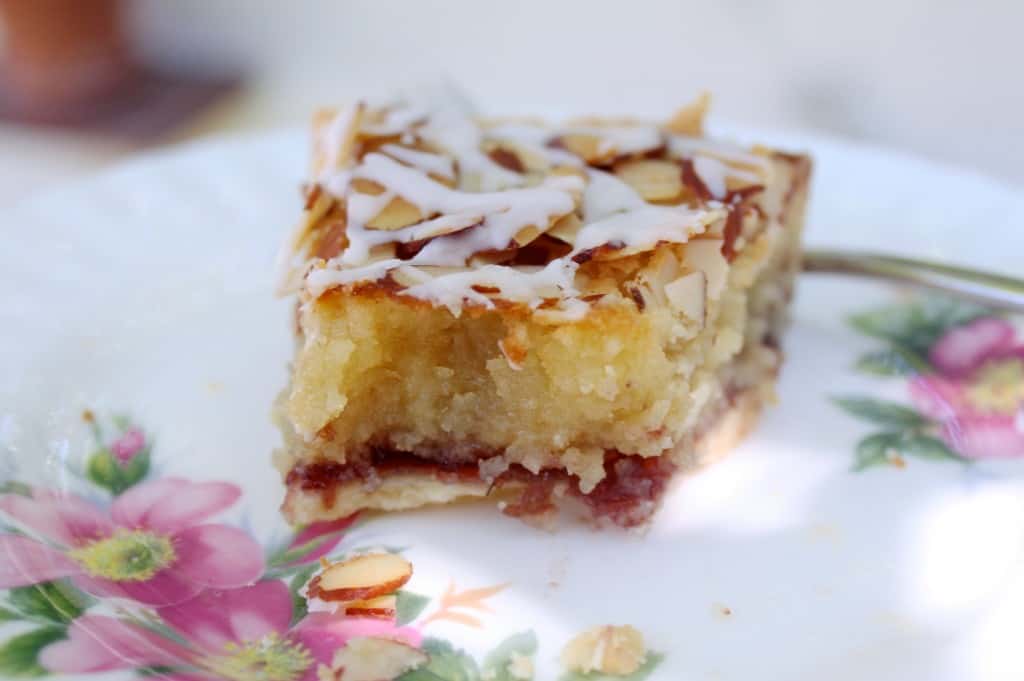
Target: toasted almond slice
409, 276
492, 257
507, 159
653, 179
397, 214
444, 225
689, 120
566, 228
381, 607
616, 650
335, 132
688, 294
330, 240
364, 186
526, 235
590, 148
372, 659
705, 255
361, 577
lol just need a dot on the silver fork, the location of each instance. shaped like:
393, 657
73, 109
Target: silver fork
994, 290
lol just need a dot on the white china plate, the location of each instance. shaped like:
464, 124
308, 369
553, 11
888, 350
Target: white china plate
145, 292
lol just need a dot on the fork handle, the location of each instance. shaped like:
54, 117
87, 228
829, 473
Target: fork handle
994, 290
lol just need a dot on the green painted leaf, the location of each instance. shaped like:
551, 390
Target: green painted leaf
496, 665
928, 447
19, 655
894, 361
874, 450
446, 663
409, 605
645, 670
421, 674
916, 326
135, 470
299, 608
890, 414
57, 602
290, 555
15, 487
106, 471
8, 615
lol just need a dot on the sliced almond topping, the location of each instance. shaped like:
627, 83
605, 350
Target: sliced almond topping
526, 235
615, 650
397, 214
335, 132
409, 276
445, 225
381, 607
364, 186
566, 228
689, 120
361, 577
331, 239
654, 180
705, 255
590, 148
688, 294
507, 159
372, 659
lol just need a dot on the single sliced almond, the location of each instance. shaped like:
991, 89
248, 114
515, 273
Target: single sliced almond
398, 214
688, 296
382, 607
444, 225
372, 659
335, 133
689, 120
526, 235
653, 179
361, 577
408, 276
364, 186
615, 650
705, 255
591, 148
566, 228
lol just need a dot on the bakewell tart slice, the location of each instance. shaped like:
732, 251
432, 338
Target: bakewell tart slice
553, 316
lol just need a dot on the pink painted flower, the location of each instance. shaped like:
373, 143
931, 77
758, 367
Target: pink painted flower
152, 546
240, 635
977, 392
131, 442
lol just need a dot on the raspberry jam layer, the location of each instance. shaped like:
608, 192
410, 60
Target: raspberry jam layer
627, 496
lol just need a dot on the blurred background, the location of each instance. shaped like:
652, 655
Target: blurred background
85, 83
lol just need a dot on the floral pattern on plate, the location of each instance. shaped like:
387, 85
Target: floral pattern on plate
149, 583
963, 366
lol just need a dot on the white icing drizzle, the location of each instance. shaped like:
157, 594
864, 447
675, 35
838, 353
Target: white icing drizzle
643, 228
504, 213
621, 139
713, 173
688, 147
442, 166
456, 133
517, 284
606, 195
534, 139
